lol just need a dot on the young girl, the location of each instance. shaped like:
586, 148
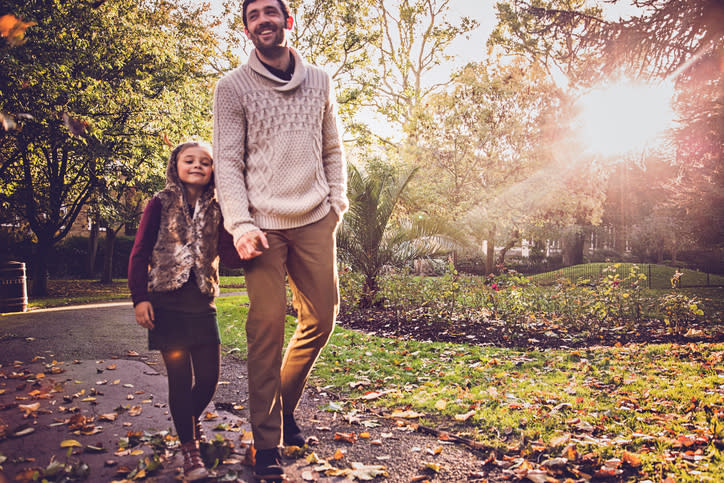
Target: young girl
173, 276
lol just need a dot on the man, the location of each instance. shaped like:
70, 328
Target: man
281, 182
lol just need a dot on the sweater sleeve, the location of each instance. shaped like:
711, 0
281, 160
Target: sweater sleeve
146, 236
335, 168
229, 147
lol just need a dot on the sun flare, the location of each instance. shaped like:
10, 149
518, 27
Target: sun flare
620, 118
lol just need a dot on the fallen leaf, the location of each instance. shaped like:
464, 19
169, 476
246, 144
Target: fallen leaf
346, 437
409, 414
367, 472
29, 409
465, 416
436, 467
70, 443
135, 411
632, 459
310, 475
22, 430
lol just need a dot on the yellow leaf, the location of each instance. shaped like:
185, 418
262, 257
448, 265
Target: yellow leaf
136, 452
441, 405
436, 467
70, 443
406, 414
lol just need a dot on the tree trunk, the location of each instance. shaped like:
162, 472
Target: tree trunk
110, 242
515, 238
369, 291
92, 247
39, 287
573, 247
490, 255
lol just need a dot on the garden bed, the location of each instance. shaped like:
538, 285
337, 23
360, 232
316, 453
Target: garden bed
531, 334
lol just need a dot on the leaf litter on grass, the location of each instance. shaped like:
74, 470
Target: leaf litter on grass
634, 410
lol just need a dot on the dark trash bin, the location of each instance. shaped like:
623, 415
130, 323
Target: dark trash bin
13, 287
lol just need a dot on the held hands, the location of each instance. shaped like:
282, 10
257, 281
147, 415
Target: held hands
251, 244
144, 314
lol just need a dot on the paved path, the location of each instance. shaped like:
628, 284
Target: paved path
65, 373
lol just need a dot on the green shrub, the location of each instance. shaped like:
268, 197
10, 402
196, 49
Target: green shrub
616, 297
680, 311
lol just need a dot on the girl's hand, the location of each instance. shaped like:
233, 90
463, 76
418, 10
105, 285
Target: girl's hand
144, 314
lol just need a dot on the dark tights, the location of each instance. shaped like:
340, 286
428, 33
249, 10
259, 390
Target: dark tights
190, 390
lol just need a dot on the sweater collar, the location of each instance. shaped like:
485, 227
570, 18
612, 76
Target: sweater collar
300, 71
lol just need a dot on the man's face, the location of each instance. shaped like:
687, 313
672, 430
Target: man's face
265, 24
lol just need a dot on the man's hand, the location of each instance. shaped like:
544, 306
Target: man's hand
251, 244
144, 314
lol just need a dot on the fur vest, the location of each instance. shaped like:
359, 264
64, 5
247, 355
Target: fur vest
186, 243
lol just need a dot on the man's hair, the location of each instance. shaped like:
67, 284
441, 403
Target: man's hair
282, 4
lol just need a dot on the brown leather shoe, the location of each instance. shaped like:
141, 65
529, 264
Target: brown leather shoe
194, 468
267, 465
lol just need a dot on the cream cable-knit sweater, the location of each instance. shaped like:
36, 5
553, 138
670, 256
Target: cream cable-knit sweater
277, 150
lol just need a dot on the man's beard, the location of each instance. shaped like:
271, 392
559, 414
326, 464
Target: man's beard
275, 46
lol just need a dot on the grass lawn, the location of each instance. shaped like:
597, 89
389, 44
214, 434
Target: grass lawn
657, 408
68, 292
659, 276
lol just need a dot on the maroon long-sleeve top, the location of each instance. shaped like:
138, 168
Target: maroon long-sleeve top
146, 236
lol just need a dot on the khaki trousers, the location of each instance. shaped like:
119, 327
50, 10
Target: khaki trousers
308, 256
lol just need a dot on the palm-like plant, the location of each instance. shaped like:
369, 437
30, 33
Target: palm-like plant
370, 237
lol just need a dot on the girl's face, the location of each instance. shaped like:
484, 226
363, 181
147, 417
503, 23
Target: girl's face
195, 166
